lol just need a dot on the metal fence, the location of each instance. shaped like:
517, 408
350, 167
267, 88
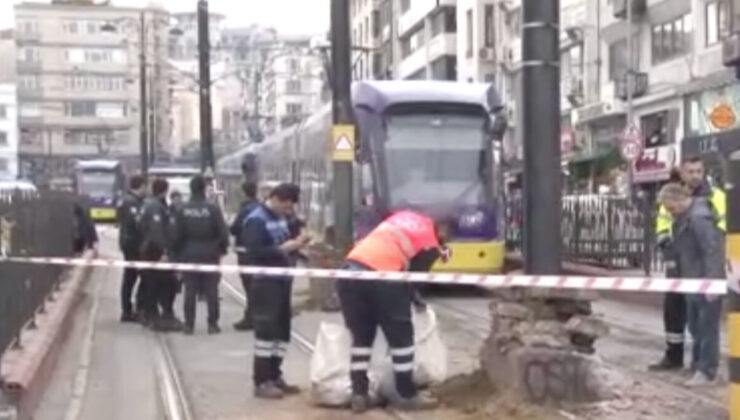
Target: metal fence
603, 230
31, 224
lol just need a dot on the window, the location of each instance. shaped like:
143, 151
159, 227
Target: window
489, 35
293, 86
110, 110
96, 55
3, 165
411, 43
376, 23
3, 111
367, 30
618, 63
29, 81
444, 21
80, 109
469, 34
672, 39
3, 138
30, 109
28, 54
293, 108
405, 5
717, 18
660, 127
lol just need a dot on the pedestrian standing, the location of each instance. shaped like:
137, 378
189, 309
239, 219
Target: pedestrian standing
699, 247
267, 238
250, 203
160, 286
692, 175
85, 235
129, 241
200, 237
404, 241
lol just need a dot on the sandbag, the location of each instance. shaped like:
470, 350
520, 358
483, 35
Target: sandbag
329, 370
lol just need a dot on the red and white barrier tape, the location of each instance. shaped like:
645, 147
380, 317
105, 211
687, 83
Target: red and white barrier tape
636, 284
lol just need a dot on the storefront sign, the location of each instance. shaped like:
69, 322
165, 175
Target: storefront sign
655, 164
723, 144
722, 116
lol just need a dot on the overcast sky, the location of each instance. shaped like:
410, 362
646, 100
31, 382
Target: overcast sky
287, 16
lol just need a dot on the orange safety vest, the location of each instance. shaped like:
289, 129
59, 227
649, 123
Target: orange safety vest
392, 245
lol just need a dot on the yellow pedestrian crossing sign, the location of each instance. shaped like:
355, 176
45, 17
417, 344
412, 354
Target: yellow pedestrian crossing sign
343, 143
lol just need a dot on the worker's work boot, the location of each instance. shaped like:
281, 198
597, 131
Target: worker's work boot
268, 391
418, 403
359, 404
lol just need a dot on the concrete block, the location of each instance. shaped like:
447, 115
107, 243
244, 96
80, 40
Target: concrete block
588, 326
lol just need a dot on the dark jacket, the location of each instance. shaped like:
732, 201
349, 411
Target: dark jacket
263, 233
154, 226
698, 244
236, 226
128, 213
199, 232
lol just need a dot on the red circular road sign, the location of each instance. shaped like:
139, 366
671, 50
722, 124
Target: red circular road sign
631, 143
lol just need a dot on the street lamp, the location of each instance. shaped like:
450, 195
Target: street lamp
143, 121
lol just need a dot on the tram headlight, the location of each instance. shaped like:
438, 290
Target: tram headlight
472, 220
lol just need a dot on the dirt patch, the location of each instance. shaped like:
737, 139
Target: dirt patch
473, 397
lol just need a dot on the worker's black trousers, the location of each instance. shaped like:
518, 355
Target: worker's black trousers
166, 291
207, 284
367, 305
674, 322
271, 317
247, 285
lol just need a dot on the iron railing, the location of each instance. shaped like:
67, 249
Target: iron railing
31, 224
603, 230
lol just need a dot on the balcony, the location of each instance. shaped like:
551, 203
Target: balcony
640, 86
441, 45
639, 7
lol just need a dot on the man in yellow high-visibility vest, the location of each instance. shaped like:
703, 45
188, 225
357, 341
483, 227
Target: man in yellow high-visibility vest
693, 176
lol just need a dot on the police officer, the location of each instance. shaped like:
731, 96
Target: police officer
200, 236
250, 203
160, 287
267, 238
129, 240
692, 175
404, 241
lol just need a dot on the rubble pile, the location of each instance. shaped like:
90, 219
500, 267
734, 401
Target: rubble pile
541, 346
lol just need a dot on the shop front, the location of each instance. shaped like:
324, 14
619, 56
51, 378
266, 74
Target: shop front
713, 128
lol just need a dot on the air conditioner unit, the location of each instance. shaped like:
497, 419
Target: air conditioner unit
487, 54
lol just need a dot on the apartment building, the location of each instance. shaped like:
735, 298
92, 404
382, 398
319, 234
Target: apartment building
78, 84
685, 100
8, 109
292, 84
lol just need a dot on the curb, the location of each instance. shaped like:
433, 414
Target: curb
25, 372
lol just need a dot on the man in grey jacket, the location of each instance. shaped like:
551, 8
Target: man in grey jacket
698, 245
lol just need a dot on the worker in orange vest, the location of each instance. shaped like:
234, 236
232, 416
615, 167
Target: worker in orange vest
405, 241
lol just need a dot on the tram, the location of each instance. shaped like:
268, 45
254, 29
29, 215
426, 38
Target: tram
427, 145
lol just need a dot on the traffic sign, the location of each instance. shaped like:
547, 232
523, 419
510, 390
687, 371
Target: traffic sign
343, 143
631, 143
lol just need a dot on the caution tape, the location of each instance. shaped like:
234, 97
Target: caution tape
627, 284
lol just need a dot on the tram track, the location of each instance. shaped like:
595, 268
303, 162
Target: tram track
173, 396
300, 340
479, 326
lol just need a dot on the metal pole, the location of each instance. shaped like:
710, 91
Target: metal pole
204, 62
541, 133
630, 84
143, 140
342, 116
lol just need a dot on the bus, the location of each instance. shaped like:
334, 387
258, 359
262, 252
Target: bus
103, 183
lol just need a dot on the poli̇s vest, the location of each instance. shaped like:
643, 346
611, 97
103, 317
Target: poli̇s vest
392, 245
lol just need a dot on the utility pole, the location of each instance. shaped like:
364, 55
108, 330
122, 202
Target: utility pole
143, 137
541, 133
204, 61
343, 133
630, 84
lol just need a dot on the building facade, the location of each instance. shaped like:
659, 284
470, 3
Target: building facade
78, 84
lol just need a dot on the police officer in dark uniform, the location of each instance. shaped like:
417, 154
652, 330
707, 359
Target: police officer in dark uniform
250, 203
129, 240
160, 287
200, 236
